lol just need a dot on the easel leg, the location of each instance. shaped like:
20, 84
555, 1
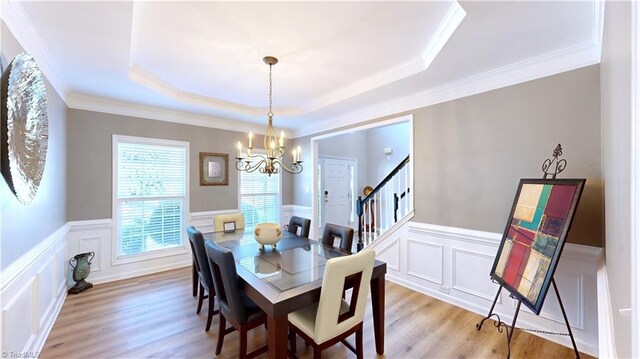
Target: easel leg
479, 325
566, 320
510, 330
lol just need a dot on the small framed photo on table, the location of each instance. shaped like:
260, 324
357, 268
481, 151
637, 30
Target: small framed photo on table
214, 169
229, 227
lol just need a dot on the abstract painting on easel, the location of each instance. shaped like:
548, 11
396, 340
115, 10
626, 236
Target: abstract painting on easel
532, 243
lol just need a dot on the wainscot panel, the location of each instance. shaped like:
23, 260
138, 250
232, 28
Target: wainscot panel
453, 265
32, 290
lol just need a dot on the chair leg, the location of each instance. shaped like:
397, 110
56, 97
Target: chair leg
359, 351
292, 340
221, 329
200, 299
210, 311
243, 342
194, 279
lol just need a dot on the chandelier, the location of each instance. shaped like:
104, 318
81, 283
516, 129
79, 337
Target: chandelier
272, 161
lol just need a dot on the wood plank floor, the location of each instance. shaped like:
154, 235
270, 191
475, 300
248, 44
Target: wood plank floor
154, 316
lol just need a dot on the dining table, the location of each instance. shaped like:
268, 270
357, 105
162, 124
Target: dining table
289, 277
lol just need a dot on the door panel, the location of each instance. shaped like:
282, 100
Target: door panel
336, 191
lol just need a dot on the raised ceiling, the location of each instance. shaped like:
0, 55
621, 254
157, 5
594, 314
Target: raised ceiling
340, 62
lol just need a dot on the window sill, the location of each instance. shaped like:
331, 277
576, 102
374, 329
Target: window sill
140, 257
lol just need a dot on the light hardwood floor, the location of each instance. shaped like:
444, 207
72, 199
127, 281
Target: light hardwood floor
155, 316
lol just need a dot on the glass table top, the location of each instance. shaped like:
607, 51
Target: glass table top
295, 262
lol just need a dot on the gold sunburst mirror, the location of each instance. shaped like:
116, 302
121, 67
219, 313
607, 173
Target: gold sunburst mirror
25, 127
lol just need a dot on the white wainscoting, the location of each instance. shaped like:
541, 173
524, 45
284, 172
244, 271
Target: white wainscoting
290, 210
453, 265
32, 290
96, 236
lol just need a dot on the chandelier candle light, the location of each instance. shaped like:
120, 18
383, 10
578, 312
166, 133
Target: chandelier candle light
271, 162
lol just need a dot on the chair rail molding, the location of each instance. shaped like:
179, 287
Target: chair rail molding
32, 290
453, 265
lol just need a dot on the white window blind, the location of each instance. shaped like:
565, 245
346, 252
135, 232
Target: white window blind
151, 196
259, 198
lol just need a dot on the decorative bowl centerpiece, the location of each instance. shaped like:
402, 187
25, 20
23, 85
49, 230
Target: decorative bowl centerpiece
267, 234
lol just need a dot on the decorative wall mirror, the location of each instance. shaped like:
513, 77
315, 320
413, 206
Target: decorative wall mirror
25, 127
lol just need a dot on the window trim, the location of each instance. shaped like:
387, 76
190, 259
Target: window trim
279, 207
158, 253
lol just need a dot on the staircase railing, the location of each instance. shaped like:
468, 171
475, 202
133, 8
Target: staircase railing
374, 210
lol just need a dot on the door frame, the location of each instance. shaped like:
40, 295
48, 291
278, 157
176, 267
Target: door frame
314, 157
332, 157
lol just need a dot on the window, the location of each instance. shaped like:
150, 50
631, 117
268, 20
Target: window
259, 198
150, 195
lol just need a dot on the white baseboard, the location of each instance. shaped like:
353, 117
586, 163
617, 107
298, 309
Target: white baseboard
453, 265
32, 291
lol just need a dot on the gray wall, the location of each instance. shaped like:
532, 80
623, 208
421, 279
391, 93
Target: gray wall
24, 226
394, 136
470, 153
616, 148
90, 148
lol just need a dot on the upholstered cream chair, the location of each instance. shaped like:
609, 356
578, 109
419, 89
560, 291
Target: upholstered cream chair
333, 319
218, 221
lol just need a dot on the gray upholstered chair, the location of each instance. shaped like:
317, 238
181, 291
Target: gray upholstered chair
333, 319
331, 231
241, 312
303, 224
196, 241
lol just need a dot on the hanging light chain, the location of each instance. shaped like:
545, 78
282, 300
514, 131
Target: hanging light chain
270, 114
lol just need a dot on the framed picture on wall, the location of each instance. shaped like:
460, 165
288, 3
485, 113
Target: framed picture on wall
533, 239
214, 169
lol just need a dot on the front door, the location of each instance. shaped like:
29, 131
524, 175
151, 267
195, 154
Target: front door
337, 191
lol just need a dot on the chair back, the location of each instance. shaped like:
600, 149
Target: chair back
334, 317
196, 241
218, 221
344, 233
303, 224
226, 283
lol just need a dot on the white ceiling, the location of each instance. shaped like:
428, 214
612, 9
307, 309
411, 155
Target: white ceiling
340, 62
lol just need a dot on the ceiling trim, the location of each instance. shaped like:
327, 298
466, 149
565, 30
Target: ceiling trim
552, 63
447, 27
29, 38
116, 107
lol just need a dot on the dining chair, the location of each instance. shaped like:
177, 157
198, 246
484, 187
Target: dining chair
332, 319
196, 241
331, 231
235, 307
303, 224
219, 220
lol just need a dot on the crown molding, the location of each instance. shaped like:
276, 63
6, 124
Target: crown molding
29, 38
116, 107
447, 27
552, 63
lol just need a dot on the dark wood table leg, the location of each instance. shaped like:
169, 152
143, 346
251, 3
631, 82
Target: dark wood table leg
194, 278
277, 332
377, 306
